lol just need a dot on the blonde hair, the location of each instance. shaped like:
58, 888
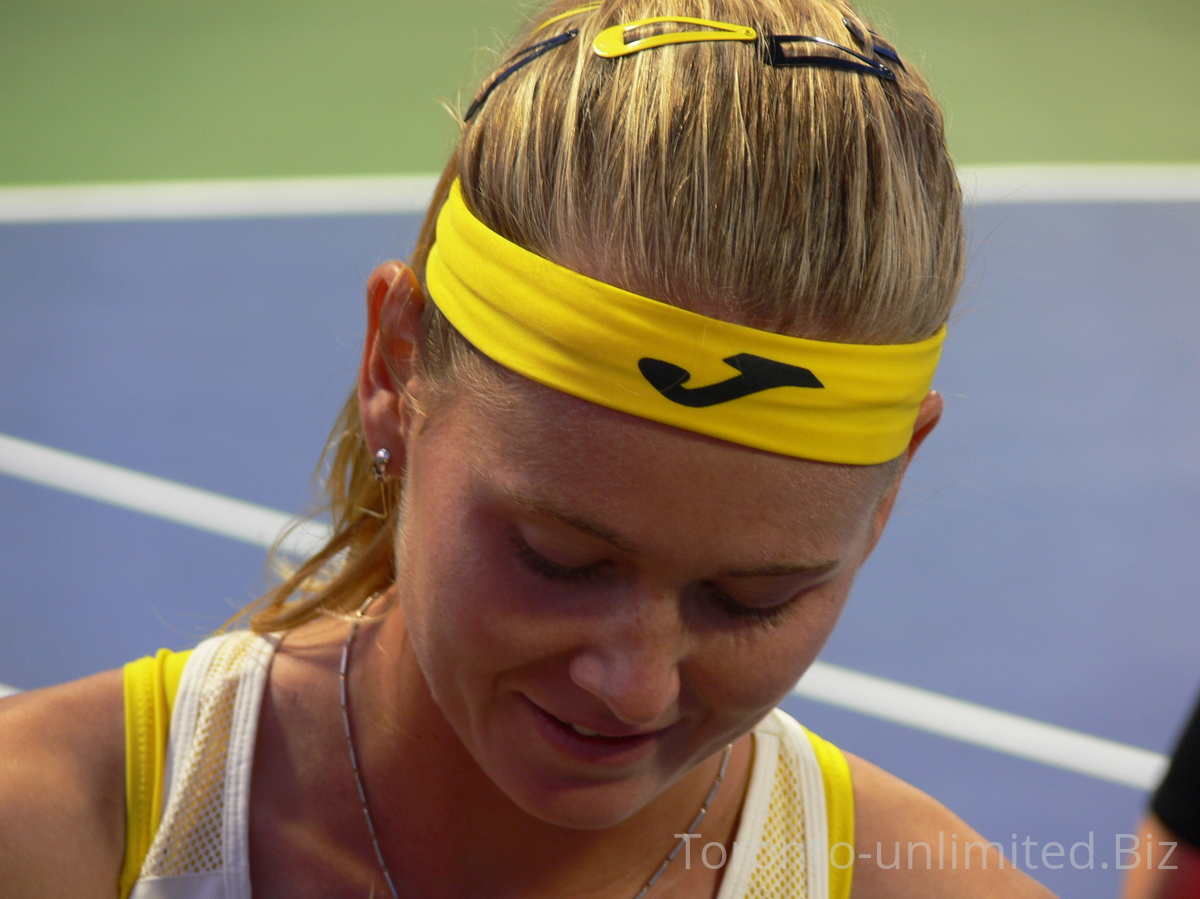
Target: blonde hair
808, 201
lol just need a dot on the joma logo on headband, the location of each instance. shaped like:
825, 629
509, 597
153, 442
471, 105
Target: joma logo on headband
757, 374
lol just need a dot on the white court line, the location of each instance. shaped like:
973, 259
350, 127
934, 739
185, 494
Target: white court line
6, 690
1080, 183
980, 725
865, 693
156, 496
241, 198
400, 194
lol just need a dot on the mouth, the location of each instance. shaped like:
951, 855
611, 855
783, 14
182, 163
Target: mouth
586, 744
583, 731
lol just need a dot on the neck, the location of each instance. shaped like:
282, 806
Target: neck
439, 806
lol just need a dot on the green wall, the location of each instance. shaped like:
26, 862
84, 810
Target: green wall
130, 89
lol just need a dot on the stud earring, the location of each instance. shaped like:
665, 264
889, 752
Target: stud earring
382, 457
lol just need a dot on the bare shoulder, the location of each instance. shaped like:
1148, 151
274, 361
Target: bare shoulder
919, 848
62, 789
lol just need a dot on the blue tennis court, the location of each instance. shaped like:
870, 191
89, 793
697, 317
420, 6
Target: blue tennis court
1042, 562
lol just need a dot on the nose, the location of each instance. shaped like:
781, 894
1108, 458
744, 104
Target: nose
630, 661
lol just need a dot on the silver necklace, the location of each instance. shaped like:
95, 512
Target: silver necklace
362, 793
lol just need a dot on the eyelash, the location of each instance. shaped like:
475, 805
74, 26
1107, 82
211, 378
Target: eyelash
539, 564
762, 616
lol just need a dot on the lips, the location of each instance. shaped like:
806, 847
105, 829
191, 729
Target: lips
583, 730
607, 746
609, 733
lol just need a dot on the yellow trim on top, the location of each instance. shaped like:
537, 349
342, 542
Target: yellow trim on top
839, 814
151, 684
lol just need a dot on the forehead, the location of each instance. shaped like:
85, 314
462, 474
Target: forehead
641, 476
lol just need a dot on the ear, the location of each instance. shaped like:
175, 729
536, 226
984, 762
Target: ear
395, 303
928, 415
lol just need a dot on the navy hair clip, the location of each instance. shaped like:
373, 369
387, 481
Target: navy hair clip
516, 61
775, 54
877, 44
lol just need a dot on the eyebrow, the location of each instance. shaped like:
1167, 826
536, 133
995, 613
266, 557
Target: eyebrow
592, 529
809, 568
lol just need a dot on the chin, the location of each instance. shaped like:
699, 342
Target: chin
579, 805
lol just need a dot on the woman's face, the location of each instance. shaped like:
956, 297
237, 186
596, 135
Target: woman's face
598, 603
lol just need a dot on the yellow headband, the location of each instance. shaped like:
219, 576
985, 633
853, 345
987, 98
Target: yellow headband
832, 402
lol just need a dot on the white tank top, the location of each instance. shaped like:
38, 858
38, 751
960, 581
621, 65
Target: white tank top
200, 848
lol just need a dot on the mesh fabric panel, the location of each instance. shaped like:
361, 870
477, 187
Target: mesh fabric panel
189, 840
780, 872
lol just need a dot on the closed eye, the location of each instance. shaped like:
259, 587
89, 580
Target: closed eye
762, 615
539, 564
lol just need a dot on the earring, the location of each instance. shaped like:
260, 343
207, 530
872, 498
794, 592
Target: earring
382, 457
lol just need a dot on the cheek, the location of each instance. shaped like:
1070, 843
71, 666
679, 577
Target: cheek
433, 573
465, 600
753, 669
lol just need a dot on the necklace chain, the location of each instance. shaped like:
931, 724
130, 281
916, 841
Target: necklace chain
362, 793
